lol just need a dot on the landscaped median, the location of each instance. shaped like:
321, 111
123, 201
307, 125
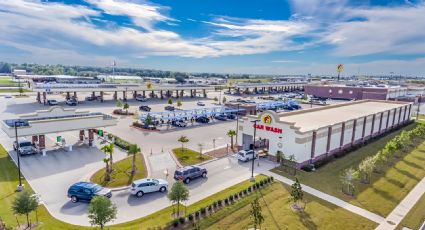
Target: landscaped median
385, 189
189, 157
121, 174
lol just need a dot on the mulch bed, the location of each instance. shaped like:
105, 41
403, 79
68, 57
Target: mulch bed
221, 152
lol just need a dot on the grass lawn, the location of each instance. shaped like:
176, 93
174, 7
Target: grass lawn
385, 191
415, 217
189, 157
8, 82
121, 175
13, 90
275, 203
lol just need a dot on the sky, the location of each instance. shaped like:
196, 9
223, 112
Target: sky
370, 37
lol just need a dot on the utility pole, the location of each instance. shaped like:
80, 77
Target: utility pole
237, 124
419, 106
20, 186
253, 148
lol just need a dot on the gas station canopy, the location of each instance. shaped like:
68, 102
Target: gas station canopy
56, 119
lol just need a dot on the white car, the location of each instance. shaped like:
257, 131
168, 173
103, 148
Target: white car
141, 98
200, 103
148, 185
246, 155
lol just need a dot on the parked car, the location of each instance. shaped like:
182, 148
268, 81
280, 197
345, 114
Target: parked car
90, 98
52, 102
200, 103
24, 146
179, 123
145, 108
221, 117
246, 155
189, 173
202, 119
231, 116
86, 191
141, 98
72, 102
169, 108
147, 185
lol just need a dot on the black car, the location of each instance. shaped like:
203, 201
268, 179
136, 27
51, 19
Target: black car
145, 108
221, 117
202, 119
169, 108
231, 116
189, 173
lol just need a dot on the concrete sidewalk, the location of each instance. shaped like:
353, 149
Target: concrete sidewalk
331, 199
399, 212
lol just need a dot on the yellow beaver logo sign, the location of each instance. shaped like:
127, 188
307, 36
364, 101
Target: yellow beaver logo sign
266, 119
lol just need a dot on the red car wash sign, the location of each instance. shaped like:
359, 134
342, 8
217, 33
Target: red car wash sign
267, 119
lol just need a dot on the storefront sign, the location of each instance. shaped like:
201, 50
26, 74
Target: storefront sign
266, 119
269, 128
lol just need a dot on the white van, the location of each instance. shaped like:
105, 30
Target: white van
24, 146
246, 155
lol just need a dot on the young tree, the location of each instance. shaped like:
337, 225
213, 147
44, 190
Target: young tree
366, 168
380, 160
201, 146
347, 180
170, 101
231, 133
179, 103
178, 193
126, 106
101, 211
107, 172
224, 100
24, 204
109, 149
291, 164
296, 193
119, 104
133, 150
256, 215
279, 157
215, 99
183, 139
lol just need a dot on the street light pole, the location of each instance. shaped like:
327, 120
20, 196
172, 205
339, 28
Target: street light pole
253, 148
237, 125
20, 187
419, 106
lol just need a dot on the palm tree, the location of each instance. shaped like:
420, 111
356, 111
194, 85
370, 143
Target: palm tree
231, 133
183, 139
133, 150
109, 149
107, 173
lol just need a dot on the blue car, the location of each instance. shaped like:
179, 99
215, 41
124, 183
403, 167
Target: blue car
86, 191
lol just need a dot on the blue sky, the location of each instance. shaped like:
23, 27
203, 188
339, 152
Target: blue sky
260, 37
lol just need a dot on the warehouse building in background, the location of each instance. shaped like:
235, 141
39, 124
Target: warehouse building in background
347, 92
313, 134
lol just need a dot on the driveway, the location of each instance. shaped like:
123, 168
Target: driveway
50, 176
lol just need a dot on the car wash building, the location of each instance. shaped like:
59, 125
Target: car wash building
313, 134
